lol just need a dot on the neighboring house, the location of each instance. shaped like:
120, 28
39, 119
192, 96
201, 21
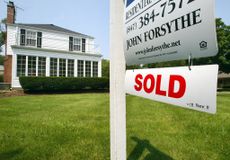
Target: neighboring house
47, 50
1, 69
224, 80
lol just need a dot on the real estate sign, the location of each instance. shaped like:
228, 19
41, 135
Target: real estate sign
165, 30
194, 89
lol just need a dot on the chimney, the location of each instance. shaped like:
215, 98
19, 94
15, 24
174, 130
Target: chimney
10, 13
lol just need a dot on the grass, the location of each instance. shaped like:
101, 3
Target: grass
76, 126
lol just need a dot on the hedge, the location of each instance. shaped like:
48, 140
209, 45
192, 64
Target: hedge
54, 84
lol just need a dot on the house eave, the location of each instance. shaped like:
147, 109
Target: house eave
56, 51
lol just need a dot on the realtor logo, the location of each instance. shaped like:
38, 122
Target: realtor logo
203, 45
129, 2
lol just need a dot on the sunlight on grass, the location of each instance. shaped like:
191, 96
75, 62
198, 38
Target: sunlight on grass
76, 126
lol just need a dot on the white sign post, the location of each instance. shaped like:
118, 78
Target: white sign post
165, 30
193, 89
117, 83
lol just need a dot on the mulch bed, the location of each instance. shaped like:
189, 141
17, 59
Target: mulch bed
11, 93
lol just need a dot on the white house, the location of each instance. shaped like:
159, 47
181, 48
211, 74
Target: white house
47, 50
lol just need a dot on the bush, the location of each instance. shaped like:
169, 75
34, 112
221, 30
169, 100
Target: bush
57, 84
1, 78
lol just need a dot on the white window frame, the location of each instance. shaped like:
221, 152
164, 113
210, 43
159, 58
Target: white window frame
26, 38
76, 39
70, 68
32, 66
80, 68
95, 69
21, 64
53, 67
88, 71
62, 67
41, 70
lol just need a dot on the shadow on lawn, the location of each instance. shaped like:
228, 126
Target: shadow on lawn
154, 154
10, 154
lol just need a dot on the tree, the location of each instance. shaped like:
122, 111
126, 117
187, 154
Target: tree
2, 32
1, 60
2, 38
223, 36
223, 56
105, 68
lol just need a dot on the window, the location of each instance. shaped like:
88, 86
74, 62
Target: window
80, 68
87, 68
21, 65
53, 67
70, 67
41, 66
30, 38
39, 39
62, 67
70, 43
77, 44
83, 45
22, 37
95, 69
31, 66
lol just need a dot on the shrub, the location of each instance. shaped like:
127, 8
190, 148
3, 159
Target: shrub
56, 84
1, 78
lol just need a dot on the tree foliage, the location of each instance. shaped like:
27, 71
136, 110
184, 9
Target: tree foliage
223, 56
2, 38
2, 32
1, 60
105, 68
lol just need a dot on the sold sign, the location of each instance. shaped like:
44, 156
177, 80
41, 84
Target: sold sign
167, 30
193, 89
170, 92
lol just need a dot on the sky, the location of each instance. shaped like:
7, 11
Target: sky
89, 17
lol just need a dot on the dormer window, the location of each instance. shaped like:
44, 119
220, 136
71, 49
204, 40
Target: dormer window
77, 44
30, 38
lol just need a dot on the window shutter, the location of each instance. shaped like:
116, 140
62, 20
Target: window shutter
83, 45
39, 39
22, 37
70, 43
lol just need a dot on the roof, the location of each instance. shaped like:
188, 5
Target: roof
52, 27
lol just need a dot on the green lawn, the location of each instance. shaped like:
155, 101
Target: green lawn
76, 126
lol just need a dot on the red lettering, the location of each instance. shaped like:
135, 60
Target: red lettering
182, 86
138, 85
158, 87
152, 82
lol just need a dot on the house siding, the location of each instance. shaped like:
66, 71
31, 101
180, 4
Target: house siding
55, 41
11, 38
50, 39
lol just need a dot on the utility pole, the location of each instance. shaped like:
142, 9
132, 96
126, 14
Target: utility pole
117, 83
